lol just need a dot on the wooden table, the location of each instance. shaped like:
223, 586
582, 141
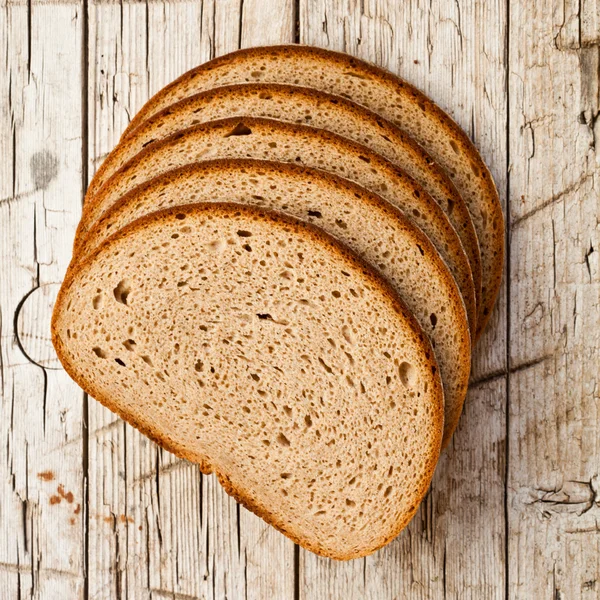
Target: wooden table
90, 509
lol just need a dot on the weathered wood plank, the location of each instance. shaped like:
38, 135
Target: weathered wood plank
554, 453
41, 470
157, 526
455, 52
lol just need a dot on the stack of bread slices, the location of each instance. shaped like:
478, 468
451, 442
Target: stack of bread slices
280, 273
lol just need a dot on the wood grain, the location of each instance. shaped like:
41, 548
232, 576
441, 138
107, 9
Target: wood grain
41, 470
554, 450
91, 509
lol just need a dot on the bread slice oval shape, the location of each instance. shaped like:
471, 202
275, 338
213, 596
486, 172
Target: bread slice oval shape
363, 221
317, 109
384, 93
276, 140
320, 413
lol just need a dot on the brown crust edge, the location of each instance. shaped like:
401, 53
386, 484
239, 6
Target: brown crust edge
204, 463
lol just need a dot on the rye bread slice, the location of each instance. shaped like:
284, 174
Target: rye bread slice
317, 109
363, 221
276, 140
320, 412
385, 94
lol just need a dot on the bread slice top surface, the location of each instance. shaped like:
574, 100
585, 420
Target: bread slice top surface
385, 94
363, 221
317, 109
276, 140
322, 413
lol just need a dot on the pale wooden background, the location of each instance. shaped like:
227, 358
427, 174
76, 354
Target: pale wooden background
91, 510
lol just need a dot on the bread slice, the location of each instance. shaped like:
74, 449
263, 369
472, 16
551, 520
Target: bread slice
276, 140
363, 221
265, 351
385, 94
318, 109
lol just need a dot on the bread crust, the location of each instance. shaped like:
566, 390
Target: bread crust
492, 275
317, 236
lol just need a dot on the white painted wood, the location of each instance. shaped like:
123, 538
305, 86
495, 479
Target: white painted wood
455, 52
527, 91
554, 451
41, 469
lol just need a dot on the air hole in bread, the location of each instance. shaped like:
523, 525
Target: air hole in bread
315, 213
341, 224
272, 144
180, 216
407, 373
433, 319
308, 421
421, 250
122, 291
364, 158
264, 316
199, 366
287, 410
239, 129
388, 491
454, 146
335, 294
355, 75
325, 366
247, 247
147, 360
97, 301
243, 233
285, 475
129, 344
350, 502
120, 362
99, 352
282, 440
347, 333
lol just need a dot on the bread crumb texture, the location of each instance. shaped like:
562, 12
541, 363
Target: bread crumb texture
261, 348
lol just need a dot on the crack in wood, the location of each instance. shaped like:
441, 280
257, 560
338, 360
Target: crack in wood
553, 200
